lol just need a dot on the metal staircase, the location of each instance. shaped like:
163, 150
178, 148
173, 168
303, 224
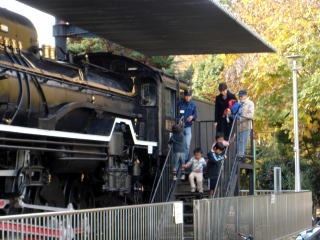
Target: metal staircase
168, 190
228, 184
182, 193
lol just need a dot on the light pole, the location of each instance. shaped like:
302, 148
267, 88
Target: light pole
297, 181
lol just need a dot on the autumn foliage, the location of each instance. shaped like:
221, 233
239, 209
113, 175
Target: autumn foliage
292, 27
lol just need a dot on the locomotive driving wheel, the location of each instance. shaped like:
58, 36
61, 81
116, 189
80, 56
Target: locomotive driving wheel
80, 195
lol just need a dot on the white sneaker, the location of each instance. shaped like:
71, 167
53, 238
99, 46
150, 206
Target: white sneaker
183, 177
174, 178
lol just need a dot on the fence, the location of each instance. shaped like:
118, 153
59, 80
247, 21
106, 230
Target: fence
143, 222
264, 217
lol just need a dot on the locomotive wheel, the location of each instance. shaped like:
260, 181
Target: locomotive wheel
81, 195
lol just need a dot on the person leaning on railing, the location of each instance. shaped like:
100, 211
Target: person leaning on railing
244, 125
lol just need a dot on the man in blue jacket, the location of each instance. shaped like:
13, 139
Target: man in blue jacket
188, 113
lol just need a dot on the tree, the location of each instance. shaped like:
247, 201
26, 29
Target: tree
206, 76
80, 46
292, 27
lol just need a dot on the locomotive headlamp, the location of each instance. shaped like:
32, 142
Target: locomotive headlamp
4, 28
132, 68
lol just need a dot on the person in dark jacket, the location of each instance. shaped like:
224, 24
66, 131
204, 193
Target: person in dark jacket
222, 103
188, 114
178, 149
215, 158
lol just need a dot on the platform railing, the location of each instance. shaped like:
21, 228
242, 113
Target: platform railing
246, 192
264, 217
203, 135
143, 222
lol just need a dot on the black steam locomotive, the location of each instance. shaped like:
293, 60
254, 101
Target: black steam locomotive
92, 132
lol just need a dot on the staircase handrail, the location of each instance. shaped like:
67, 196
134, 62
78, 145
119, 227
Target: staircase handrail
174, 183
232, 175
161, 174
225, 155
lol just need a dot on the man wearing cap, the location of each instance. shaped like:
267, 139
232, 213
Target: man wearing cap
188, 113
245, 123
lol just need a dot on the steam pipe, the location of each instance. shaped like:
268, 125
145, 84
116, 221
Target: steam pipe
20, 97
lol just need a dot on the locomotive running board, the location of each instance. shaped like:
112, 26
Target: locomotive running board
79, 136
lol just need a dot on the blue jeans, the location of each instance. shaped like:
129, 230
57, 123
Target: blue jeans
243, 141
178, 160
188, 135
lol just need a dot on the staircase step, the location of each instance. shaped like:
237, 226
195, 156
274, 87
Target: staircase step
186, 181
188, 230
188, 226
187, 193
188, 207
186, 187
188, 238
188, 197
188, 214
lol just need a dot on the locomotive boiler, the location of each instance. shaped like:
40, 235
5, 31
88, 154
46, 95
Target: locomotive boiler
88, 132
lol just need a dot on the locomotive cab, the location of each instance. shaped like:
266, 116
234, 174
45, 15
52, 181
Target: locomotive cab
143, 81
